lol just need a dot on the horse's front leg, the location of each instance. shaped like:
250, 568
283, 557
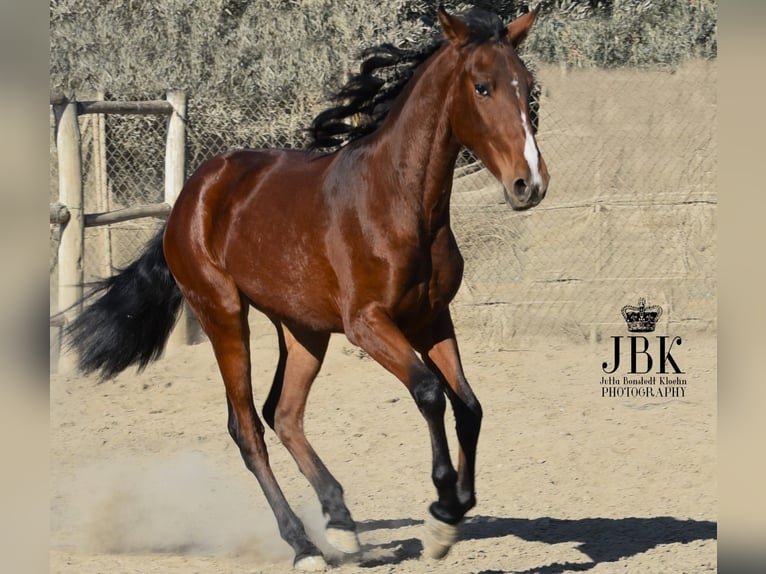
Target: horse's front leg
374, 331
440, 352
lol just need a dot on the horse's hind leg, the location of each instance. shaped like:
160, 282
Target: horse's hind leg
223, 315
301, 355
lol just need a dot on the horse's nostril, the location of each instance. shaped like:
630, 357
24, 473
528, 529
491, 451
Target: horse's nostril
521, 190
520, 195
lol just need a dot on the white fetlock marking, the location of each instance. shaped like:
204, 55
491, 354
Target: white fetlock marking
439, 537
344, 540
310, 564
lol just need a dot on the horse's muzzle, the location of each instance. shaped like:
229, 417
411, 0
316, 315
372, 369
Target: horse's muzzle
522, 196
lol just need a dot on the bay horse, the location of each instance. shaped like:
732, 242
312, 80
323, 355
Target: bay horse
355, 240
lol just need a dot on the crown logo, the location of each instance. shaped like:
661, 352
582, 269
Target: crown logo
641, 319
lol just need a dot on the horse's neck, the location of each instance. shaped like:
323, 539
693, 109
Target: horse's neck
417, 141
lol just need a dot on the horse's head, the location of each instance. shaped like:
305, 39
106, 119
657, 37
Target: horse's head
490, 111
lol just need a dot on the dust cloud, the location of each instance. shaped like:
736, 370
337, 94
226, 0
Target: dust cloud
180, 505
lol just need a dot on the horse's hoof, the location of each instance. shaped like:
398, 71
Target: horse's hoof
439, 537
310, 564
345, 541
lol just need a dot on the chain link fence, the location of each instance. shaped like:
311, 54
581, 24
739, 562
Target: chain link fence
122, 166
630, 211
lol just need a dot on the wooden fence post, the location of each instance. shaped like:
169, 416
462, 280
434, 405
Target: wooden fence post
175, 166
102, 186
185, 331
70, 261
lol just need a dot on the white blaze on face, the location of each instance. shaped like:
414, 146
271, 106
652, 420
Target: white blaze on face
530, 148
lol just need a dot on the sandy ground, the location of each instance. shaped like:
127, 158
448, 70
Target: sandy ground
144, 477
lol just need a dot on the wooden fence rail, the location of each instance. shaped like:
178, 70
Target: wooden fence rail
158, 107
150, 107
69, 212
60, 214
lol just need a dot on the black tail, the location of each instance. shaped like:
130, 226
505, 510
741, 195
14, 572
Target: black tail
131, 321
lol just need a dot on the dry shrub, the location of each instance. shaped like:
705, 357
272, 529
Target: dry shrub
257, 72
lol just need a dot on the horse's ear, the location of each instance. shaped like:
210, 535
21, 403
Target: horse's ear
454, 29
519, 28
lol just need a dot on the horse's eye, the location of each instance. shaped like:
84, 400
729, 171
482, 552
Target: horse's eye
481, 89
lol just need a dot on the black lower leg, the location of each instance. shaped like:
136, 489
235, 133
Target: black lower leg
468, 415
256, 460
330, 494
429, 397
270, 406
290, 527
328, 489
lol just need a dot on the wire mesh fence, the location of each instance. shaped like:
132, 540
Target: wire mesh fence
630, 211
122, 165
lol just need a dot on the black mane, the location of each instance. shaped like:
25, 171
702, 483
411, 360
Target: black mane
365, 100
